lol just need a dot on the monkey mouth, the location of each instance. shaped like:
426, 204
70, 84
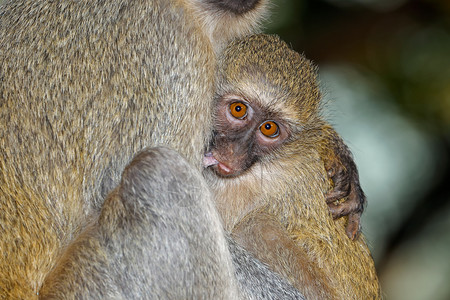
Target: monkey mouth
220, 168
223, 170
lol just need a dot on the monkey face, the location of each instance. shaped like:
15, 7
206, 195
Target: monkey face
243, 132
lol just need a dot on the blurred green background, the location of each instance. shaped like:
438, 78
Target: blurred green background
385, 75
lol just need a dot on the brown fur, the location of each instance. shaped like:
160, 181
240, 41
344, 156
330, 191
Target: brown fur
84, 86
277, 208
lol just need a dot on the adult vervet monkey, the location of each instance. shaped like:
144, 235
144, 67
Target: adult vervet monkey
84, 86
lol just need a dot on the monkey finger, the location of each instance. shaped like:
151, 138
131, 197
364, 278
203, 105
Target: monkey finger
354, 217
344, 208
335, 195
342, 180
353, 227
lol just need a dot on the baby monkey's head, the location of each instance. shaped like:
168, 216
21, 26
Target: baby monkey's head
266, 95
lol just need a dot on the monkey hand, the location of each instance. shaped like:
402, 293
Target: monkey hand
346, 197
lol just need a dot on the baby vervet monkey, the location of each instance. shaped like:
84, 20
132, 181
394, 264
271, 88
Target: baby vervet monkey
256, 126
274, 163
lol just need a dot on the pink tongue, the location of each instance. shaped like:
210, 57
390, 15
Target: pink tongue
209, 160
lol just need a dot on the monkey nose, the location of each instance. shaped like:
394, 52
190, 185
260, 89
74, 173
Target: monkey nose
209, 160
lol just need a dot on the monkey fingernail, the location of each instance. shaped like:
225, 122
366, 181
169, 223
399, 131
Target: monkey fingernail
352, 232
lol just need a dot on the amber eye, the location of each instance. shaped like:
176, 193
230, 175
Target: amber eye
270, 129
238, 110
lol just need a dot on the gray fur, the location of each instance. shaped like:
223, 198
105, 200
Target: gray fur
159, 237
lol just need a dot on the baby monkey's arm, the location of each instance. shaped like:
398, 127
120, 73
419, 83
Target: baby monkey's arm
342, 170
